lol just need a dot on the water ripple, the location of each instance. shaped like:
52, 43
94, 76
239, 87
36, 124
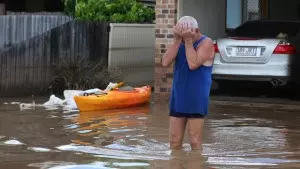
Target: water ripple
134, 138
39, 149
115, 153
95, 165
12, 142
248, 161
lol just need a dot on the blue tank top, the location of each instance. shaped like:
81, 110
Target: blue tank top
191, 88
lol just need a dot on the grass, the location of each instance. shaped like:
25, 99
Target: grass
82, 74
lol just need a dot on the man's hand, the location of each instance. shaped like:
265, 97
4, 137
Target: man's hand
188, 34
177, 32
172, 51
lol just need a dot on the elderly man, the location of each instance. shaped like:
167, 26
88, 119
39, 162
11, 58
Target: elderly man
193, 54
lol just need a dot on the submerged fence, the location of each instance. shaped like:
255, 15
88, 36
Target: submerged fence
27, 62
16, 28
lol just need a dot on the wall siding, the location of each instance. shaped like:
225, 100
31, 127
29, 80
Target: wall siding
27, 66
132, 48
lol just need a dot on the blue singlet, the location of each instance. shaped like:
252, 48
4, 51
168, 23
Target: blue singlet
191, 88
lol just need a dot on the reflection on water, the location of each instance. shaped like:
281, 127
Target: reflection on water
101, 123
138, 138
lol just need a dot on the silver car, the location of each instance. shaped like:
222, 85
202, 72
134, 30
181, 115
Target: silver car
256, 51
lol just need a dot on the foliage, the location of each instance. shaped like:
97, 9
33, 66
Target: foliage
69, 7
118, 11
81, 74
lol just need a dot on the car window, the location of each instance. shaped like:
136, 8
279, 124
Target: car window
266, 29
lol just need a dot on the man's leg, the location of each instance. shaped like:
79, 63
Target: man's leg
195, 130
195, 160
176, 132
177, 159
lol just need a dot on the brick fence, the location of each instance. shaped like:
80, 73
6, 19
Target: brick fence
166, 18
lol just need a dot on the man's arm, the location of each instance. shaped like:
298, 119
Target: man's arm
203, 53
171, 54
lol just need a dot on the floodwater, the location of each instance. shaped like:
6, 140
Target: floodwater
137, 138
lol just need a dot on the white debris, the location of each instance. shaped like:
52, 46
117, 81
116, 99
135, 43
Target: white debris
24, 106
110, 86
53, 101
15, 103
69, 103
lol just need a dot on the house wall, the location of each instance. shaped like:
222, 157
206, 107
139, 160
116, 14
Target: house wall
210, 14
166, 17
211, 17
131, 50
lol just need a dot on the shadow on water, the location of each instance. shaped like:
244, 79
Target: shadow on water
138, 138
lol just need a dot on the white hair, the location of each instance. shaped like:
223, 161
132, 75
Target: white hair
190, 21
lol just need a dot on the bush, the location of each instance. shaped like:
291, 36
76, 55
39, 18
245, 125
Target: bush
116, 11
81, 74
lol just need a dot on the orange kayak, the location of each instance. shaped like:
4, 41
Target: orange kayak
115, 99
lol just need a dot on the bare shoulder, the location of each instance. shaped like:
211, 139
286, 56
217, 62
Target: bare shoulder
207, 51
206, 44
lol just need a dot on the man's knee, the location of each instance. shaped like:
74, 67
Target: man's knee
195, 140
175, 141
195, 133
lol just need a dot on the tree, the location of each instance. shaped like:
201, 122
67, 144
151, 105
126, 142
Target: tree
117, 11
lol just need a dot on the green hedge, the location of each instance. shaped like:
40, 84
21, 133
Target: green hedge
116, 11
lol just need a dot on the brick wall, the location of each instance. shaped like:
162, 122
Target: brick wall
166, 18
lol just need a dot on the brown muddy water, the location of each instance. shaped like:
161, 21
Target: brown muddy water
137, 138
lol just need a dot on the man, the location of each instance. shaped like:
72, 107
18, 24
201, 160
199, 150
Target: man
193, 54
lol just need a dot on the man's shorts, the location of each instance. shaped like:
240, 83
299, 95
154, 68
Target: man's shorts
185, 115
